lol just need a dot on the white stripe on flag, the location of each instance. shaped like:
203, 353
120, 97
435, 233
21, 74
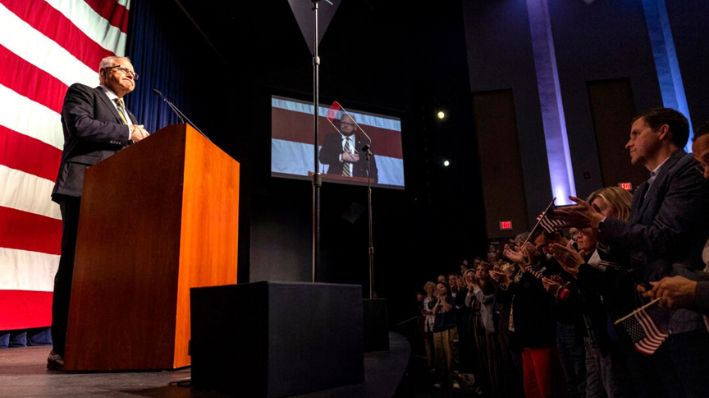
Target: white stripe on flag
34, 47
27, 192
30, 118
92, 24
124, 3
362, 118
391, 170
26, 270
290, 157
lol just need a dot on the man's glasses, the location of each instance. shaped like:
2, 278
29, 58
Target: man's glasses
346, 124
124, 70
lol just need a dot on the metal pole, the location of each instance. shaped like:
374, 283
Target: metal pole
369, 214
317, 181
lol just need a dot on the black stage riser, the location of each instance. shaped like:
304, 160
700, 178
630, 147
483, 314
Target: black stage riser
376, 325
269, 339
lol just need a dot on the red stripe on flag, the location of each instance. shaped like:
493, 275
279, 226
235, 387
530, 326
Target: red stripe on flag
20, 152
24, 309
116, 14
59, 28
28, 231
30, 81
332, 113
298, 127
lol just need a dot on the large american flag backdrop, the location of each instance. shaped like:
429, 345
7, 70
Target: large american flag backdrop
45, 46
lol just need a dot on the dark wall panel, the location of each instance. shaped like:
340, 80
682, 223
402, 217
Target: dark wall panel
612, 108
601, 40
280, 236
500, 163
688, 19
597, 41
500, 57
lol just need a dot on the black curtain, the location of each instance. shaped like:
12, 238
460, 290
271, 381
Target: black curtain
156, 44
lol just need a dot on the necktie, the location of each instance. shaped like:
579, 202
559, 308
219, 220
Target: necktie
346, 166
121, 110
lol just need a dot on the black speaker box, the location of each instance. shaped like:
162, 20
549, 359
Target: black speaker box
376, 325
272, 339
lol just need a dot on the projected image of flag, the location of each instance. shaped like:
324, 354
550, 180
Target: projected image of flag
45, 46
292, 139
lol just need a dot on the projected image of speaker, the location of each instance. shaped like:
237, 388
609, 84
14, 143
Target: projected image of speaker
355, 146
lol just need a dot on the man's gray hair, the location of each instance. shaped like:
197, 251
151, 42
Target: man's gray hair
108, 62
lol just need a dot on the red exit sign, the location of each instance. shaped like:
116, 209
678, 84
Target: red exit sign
628, 186
505, 225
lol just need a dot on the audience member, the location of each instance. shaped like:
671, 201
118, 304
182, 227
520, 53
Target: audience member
444, 334
429, 318
665, 234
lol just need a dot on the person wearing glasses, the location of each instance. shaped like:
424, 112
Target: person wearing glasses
344, 152
96, 125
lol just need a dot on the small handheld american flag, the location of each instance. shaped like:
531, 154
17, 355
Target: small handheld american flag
646, 328
548, 221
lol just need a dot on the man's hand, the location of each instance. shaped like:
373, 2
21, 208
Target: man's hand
673, 292
520, 258
350, 157
138, 132
499, 277
551, 286
580, 215
569, 259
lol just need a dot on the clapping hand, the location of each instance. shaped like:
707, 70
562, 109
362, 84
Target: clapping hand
550, 285
569, 259
499, 277
580, 215
516, 256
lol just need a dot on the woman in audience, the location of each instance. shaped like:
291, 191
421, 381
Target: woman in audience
606, 292
466, 345
534, 322
444, 333
495, 369
428, 320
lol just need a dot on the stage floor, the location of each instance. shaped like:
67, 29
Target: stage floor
23, 373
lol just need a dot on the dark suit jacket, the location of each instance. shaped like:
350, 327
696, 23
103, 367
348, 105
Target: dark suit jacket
669, 225
330, 155
93, 131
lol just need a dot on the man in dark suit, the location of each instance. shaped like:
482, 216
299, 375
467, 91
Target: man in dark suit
665, 235
692, 291
668, 213
341, 151
96, 125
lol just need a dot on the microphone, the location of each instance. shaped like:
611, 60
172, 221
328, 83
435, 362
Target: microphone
367, 149
177, 111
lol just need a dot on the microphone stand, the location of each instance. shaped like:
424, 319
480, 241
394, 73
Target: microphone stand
317, 178
181, 116
368, 150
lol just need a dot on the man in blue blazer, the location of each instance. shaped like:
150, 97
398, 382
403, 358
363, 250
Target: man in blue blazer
692, 291
668, 218
96, 125
664, 236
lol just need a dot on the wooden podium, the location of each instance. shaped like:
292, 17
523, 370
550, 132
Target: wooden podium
157, 219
